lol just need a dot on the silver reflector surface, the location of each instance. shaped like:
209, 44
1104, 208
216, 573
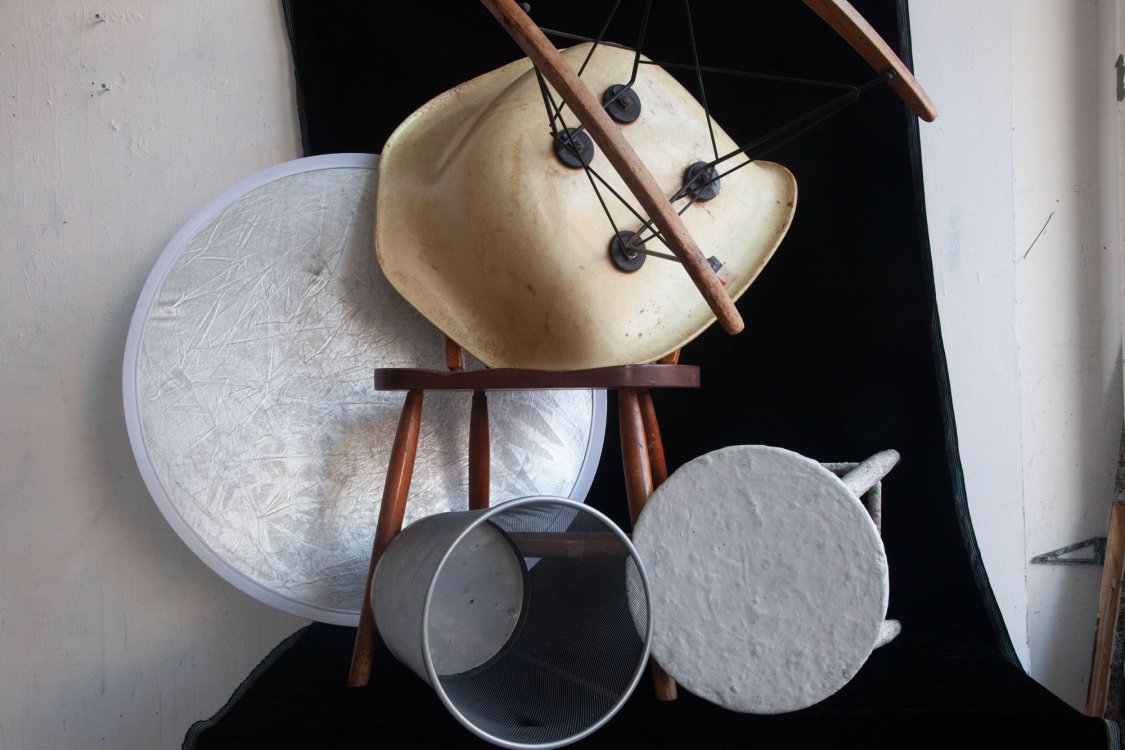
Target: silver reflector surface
250, 403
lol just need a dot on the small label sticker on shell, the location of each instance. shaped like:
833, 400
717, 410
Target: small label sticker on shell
724, 273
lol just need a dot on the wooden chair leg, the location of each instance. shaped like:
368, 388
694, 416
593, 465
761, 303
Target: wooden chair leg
478, 452
639, 483
395, 490
652, 438
634, 451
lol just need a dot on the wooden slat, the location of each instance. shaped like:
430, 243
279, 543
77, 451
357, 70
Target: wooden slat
454, 355
504, 379
1108, 605
568, 544
478, 452
620, 155
856, 31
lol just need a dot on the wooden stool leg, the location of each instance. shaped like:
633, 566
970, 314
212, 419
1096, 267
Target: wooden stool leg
397, 487
665, 685
635, 455
478, 452
634, 451
652, 438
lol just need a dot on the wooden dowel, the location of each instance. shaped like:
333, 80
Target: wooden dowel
620, 155
395, 491
638, 487
478, 452
454, 355
856, 31
652, 439
634, 452
663, 684
568, 544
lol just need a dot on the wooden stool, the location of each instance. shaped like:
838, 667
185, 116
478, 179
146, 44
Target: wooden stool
642, 451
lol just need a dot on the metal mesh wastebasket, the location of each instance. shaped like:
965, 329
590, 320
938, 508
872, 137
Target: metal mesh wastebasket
530, 620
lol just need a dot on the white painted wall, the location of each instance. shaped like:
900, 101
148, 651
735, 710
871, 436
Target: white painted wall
1028, 131
963, 53
112, 634
1068, 315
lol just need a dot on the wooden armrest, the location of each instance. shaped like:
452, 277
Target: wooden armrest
856, 31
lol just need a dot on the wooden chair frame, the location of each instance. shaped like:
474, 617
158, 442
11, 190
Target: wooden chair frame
642, 451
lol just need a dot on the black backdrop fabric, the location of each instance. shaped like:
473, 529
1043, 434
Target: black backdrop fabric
841, 358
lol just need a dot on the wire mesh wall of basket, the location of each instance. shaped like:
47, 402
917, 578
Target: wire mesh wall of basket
530, 619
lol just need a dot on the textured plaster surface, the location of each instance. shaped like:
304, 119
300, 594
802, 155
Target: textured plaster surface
963, 55
1068, 209
1022, 177
769, 580
112, 633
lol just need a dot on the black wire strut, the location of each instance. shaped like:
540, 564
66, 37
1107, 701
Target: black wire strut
568, 138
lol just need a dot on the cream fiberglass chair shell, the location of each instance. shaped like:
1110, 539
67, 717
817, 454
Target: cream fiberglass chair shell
505, 249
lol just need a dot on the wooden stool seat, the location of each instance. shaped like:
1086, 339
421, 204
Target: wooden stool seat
641, 450
508, 379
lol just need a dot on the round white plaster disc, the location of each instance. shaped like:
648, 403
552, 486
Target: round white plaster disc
769, 580
250, 403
